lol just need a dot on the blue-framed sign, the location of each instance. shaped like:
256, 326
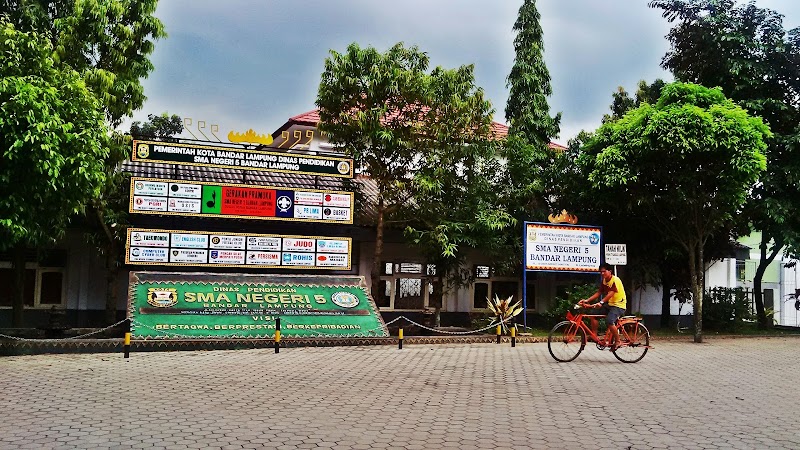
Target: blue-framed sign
549, 247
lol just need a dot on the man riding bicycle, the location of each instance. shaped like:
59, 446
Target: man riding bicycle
612, 300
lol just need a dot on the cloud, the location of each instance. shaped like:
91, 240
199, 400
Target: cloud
253, 64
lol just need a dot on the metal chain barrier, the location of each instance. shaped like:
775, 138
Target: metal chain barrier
455, 333
236, 336
17, 338
461, 333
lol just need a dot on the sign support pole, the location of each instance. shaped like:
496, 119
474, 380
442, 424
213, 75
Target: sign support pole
524, 277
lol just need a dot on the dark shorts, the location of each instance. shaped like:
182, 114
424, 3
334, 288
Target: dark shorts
613, 313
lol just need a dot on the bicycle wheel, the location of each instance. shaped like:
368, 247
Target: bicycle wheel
635, 341
566, 341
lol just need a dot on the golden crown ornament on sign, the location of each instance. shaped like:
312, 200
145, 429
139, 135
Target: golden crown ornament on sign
563, 217
251, 137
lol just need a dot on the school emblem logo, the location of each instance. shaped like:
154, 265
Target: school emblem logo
344, 299
343, 167
162, 297
143, 151
594, 238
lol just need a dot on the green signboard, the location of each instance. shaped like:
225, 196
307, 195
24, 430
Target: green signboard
165, 305
203, 199
238, 158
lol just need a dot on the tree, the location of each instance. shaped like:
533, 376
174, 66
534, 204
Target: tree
411, 131
54, 141
108, 42
527, 111
622, 101
689, 162
162, 126
463, 211
525, 152
745, 50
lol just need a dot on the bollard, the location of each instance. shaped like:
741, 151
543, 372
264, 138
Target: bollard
514, 336
278, 335
498, 334
127, 345
400, 339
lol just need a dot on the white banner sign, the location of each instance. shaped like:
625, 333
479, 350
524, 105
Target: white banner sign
201, 248
567, 248
141, 203
616, 254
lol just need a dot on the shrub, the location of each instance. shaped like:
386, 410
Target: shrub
726, 309
573, 295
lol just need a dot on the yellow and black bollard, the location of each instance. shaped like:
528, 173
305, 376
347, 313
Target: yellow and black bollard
400, 338
498, 333
278, 335
514, 336
127, 345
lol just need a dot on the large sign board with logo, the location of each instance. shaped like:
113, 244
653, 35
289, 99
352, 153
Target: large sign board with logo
188, 198
562, 248
237, 158
211, 249
205, 305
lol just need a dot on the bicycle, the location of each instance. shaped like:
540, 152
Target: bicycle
568, 338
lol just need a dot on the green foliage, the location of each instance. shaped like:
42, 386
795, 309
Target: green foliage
745, 50
53, 137
161, 126
108, 42
692, 150
622, 101
727, 309
685, 165
527, 111
425, 140
576, 293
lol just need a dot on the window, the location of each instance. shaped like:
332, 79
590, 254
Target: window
408, 294
44, 287
405, 285
480, 295
487, 285
505, 289
740, 270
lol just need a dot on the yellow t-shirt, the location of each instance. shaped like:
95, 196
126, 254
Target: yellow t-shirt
618, 299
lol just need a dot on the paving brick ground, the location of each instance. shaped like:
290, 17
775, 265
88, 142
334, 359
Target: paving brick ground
727, 393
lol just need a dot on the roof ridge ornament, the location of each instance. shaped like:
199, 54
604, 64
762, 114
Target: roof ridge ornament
251, 137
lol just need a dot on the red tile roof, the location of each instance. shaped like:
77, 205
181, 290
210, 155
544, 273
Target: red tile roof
311, 118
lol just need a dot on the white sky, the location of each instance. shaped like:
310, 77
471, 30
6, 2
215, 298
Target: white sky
245, 64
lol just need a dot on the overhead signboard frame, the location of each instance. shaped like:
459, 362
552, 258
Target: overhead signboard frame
222, 249
226, 200
237, 158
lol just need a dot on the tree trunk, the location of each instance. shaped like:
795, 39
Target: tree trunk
375, 273
18, 286
758, 294
111, 283
438, 298
696, 274
666, 300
